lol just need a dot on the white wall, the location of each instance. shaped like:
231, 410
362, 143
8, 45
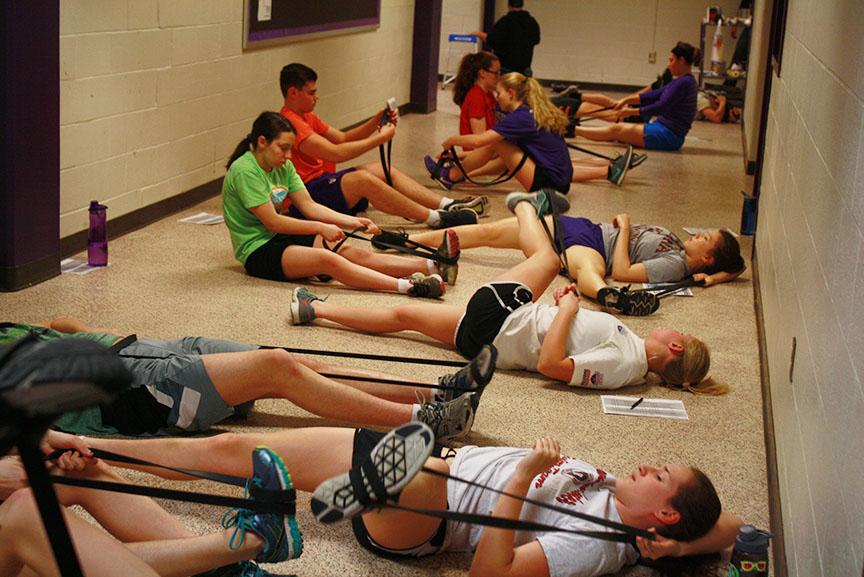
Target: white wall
155, 94
604, 41
457, 17
810, 247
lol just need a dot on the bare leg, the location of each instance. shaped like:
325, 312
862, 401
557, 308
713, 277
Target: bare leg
395, 393
542, 265
389, 264
495, 166
622, 132
498, 234
311, 454
475, 160
364, 184
407, 186
183, 557
434, 320
589, 268
581, 172
512, 156
23, 542
401, 530
276, 374
300, 262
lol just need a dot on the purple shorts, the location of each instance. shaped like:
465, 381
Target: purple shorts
327, 190
578, 231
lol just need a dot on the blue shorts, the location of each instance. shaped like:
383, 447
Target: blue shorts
327, 190
578, 231
658, 137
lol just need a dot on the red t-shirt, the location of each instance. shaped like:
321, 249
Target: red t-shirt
305, 125
477, 104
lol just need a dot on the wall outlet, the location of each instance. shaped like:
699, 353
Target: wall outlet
652, 57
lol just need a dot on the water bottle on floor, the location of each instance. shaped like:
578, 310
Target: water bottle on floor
750, 555
97, 236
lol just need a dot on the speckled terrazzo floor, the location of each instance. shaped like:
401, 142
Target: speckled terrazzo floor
168, 280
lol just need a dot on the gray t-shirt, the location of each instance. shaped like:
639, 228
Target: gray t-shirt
657, 248
570, 483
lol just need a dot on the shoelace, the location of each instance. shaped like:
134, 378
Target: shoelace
241, 520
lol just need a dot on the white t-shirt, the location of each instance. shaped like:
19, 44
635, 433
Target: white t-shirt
570, 483
606, 354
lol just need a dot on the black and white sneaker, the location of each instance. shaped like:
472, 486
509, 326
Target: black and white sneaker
387, 239
460, 217
472, 378
638, 303
393, 462
618, 168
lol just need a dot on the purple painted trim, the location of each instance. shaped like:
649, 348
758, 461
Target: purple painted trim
282, 32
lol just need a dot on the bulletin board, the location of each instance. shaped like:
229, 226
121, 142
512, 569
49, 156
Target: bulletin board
268, 22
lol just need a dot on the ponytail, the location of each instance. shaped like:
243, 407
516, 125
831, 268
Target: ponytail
269, 125
469, 70
547, 116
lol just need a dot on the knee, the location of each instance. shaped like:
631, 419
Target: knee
224, 444
279, 362
363, 182
18, 510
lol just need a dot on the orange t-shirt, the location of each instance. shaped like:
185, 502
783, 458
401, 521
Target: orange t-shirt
305, 125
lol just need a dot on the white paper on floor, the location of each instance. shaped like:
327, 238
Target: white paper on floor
203, 218
659, 408
75, 266
697, 229
656, 287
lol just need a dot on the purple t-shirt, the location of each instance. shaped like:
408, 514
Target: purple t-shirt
548, 150
674, 104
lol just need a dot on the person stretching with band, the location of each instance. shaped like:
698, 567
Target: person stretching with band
262, 184
147, 540
531, 130
673, 105
320, 146
596, 251
676, 501
564, 342
190, 384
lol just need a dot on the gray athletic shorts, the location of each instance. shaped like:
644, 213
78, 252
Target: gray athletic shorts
174, 373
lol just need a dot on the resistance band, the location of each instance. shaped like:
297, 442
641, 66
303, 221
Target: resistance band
572, 146
503, 177
669, 288
556, 238
370, 357
417, 249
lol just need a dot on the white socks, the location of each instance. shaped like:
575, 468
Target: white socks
402, 285
434, 219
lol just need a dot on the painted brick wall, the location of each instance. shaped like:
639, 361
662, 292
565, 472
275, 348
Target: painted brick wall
457, 17
605, 41
811, 266
155, 94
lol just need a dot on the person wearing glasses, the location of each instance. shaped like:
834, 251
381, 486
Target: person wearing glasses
319, 146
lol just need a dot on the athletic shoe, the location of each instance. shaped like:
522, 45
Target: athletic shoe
542, 201
618, 168
280, 533
449, 252
459, 217
302, 312
426, 286
572, 89
472, 378
638, 303
393, 462
241, 569
389, 237
451, 419
440, 173
637, 159
476, 203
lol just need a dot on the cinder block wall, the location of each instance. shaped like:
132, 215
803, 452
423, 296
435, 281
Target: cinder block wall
604, 41
811, 267
155, 94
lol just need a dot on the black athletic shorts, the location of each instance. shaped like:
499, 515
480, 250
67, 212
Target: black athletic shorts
489, 307
364, 441
266, 261
542, 180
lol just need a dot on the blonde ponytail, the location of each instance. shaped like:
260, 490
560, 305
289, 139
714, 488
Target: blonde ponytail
546, 115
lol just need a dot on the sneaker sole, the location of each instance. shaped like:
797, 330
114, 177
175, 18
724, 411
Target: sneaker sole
641, 304
292, 529
451, 253
397, 458
637, 160
295, 307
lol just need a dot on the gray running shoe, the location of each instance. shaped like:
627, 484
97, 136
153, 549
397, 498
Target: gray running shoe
426, 286
472, 378
393, 462
302, 312
476, 203
449, 420
449, 250
543, 201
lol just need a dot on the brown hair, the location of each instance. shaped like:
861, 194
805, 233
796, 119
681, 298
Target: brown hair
699, 506
690, 54
469, 70
727, 255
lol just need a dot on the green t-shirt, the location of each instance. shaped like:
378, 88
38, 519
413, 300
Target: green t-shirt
86, 421
246, 186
